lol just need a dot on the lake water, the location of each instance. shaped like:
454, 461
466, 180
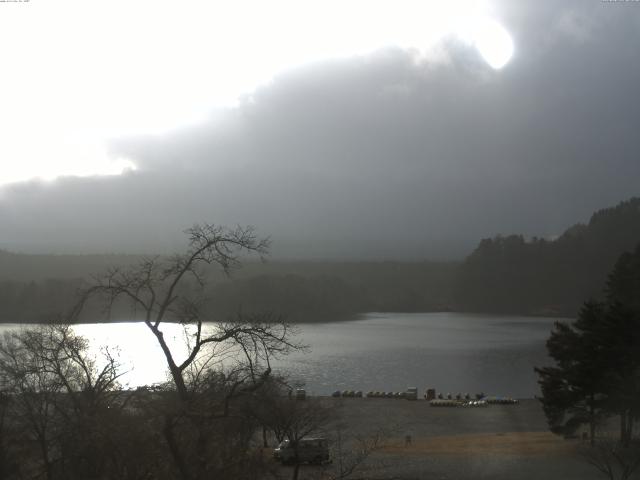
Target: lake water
452, 352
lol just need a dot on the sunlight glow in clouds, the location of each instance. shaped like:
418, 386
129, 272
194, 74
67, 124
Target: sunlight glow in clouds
490, 38
76, 73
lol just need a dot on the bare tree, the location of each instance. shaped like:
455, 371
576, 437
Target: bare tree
33, 392
352, 451
56, 393
294, 420
613, 458
225, 360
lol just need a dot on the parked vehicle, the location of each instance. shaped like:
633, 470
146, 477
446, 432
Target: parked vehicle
308, 450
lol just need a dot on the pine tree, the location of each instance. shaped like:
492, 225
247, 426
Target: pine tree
574, 391
597, 371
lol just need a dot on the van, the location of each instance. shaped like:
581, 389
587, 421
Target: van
310, 450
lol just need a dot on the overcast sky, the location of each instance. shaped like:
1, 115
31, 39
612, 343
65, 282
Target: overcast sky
396, 152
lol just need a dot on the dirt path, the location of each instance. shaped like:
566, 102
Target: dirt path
513, 443
499, 442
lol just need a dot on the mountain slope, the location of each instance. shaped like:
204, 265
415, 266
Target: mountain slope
512, 275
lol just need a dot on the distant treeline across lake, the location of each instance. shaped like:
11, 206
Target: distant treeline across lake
504, 274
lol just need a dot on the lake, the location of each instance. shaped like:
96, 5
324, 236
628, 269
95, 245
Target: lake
452, 352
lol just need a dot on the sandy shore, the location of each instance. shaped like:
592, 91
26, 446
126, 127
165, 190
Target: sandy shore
498, 442
520, 443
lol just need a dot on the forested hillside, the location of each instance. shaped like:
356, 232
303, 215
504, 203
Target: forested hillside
18, 267
301, 291
505, 274
512, 275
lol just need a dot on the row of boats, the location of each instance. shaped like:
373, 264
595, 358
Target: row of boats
372, 394
348, 394
446, 400
457, 403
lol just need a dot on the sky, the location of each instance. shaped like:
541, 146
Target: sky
343, 130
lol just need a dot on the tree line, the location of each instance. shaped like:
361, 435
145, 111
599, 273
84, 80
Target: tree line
510, 274
302, 292
504, 274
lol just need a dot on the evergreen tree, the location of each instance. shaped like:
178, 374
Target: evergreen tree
623, 284
573, 392
597, 371
621, 337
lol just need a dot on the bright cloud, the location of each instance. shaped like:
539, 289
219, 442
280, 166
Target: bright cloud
76, 73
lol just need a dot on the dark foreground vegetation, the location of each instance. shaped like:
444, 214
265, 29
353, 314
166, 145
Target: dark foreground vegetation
596, 374
505, 274
63, 415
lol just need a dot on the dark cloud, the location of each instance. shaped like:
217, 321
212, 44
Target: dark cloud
381, 156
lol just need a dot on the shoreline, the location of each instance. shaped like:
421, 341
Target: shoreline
496, 442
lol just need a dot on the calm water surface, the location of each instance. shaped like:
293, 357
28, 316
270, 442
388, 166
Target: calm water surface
452, 352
